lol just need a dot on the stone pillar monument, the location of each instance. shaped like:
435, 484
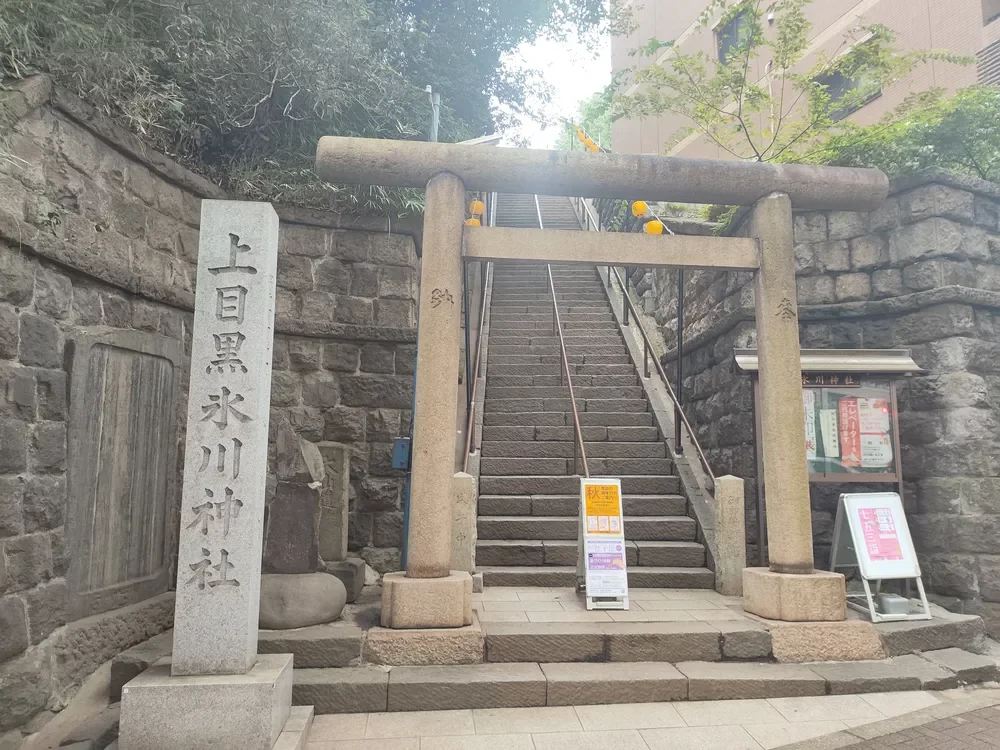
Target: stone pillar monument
216, 691
791, 589
430, 594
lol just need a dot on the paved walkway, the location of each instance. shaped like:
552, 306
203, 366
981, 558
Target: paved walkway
826, 721
975, 729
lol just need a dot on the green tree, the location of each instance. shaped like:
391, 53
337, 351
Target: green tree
594, 116
242, 89
772, 113
961, 133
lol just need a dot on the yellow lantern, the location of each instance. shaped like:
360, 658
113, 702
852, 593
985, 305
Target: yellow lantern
639, 208
593, 148
580, 135
477, 207
654, 227
588, 142
473, 222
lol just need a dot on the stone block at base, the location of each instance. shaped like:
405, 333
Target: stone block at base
421, 647
851, 640
820, 596
427, 602
213, 712
351, 573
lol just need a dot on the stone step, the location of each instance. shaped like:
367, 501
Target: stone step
563, 664
603, 350
569, 505
556, 359
574, 338
552, 418
535, 286
336, 644
544, 327
598, 466
527, 297
561, 391
553, 370
552, 449
638, 528
675, 578
556, 552
545, 319
563, 404
579, 381
540, 308
592, 433
567, 485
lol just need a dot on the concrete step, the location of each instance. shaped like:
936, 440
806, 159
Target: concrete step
495, 467
639, 528
593, 316
544, 327
579, 381
562, 404
534, 552
675, 578
568, 485
589, 307
562, 391
336, 644
572, 338
592, 433
552, 449
553, 370
569, 505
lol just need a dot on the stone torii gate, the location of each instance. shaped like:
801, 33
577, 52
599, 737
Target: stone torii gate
429, 594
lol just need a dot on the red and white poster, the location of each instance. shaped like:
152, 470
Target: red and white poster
878, 526
850, 433
809, 407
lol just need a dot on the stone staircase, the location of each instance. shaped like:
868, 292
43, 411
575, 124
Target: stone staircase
529, 483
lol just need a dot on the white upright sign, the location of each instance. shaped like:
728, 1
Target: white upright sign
877, 541
603, 544
225, 458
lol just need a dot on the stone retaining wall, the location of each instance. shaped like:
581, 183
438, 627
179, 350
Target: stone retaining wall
922, 272
98, 241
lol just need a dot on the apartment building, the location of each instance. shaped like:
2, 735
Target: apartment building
970, 28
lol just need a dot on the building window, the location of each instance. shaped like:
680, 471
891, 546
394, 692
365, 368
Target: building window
991, 11
730, 36
860, 89
989, 64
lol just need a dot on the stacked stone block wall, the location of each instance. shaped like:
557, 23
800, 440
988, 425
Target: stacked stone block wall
922, 272
99, 236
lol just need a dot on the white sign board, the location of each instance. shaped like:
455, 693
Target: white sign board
602, 542
877, 541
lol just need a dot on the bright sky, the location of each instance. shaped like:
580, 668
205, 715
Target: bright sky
573, 71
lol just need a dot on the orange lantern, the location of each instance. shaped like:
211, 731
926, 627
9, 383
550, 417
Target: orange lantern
589, 142
477, 207
473, 222
593, 148
654, 227
639, 208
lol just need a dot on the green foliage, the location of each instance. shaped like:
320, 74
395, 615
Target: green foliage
759, 113
594, 116
241, 90
961, 134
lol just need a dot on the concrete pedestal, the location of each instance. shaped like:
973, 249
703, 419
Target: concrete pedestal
819, 596
213, 712
427, 602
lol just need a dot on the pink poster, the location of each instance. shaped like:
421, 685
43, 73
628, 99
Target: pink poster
881, 538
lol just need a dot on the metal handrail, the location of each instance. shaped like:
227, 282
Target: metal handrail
470, 426
557, 330
647, 350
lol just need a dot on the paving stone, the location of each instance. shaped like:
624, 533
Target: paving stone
464, 687
342, 691
730, 681
846, 678
630, 682
932, 676
662, 641
946, 630
543, 642
331, 645
968, 667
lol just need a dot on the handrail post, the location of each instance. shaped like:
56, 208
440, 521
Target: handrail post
678, 444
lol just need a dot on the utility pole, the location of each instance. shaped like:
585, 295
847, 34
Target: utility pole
435, 112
